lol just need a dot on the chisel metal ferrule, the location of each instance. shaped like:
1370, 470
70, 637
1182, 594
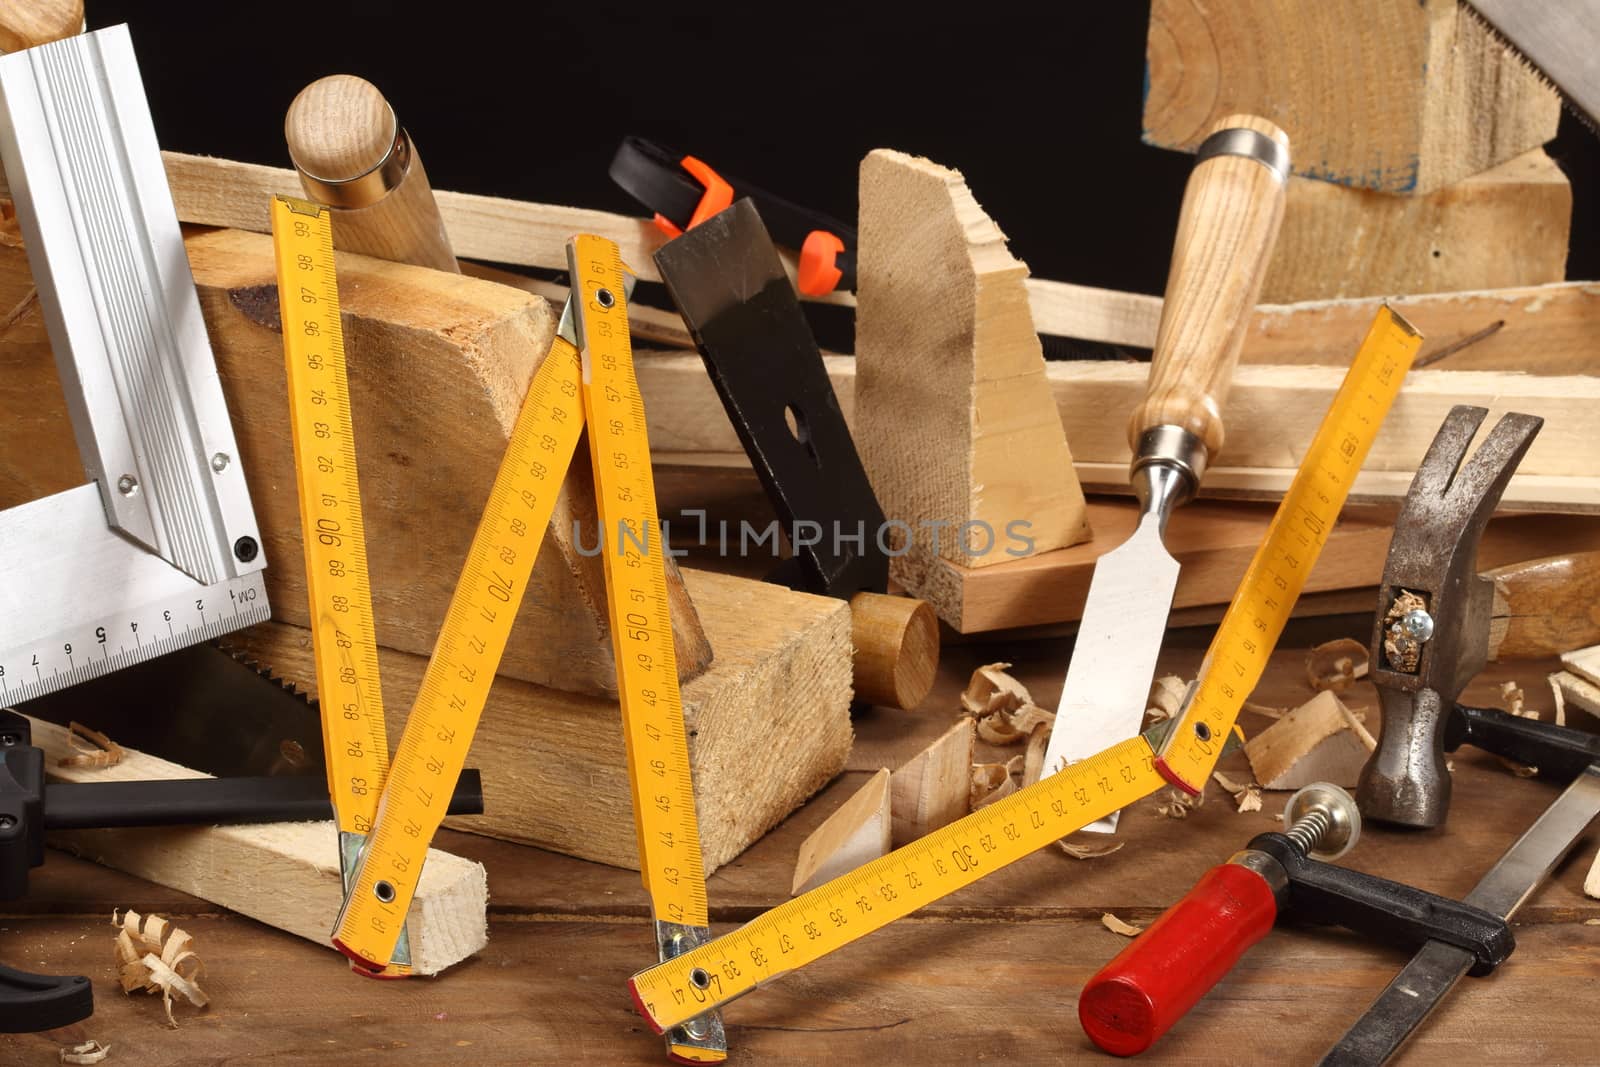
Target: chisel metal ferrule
1165, 451
1240, 141
370, 186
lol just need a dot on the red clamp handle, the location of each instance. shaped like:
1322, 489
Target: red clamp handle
1153, 982
717, 197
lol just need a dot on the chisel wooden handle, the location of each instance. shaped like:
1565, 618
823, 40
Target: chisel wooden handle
353, 155
1545, 606
1232, 209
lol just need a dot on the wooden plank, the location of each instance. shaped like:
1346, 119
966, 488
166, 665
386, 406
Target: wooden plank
1272, 413
953, 420
1400, 98
769, 724
1505, 227
438, 365
299, 862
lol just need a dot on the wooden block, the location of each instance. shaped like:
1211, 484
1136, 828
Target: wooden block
438, 365
1505, 227
1400, 98
953, 420
1320, 741
283, 874
859, 832
769, 724
934, 787
25, 23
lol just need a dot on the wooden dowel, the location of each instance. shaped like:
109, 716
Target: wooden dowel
896, 641
352, 154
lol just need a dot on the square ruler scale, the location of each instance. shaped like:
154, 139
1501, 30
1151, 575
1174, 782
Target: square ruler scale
159, 548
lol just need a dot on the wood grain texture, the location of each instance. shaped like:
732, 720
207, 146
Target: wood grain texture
340, 128
299, 861
858, 832
1315, 742
896, 641
438, 365
1400, 98
904, 995
1272, 412
954, 424
1232, 208
769, 724
25, 23
934, 787
1503, 228
1546, 606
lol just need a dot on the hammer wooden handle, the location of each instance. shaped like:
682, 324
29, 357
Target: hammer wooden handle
1545, 606
1232, 208
353, 156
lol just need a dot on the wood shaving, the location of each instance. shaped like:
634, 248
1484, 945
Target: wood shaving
1002, 707
1263, 709
1166, 698
1033, 759
1514, 700
1246, 794
1337, 664
1117, 926
1080, 851
993, 781
153, 955
1591, 922
90, 748
1176, 804
1402, 651
86, 1053
1560, 699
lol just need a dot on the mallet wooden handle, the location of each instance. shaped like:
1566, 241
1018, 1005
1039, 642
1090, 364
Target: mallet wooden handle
1232, 208
1545, 606
353, 155
896, 641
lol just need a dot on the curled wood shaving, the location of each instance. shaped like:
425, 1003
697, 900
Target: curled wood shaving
1560, 699
86, 1053
1515, 701
1033, 759
1080, 851
153, 955
1402, 650
1002, 707
1166, 698
1246, 794
1337, 664
1266, 710
1591, 922
90, 748
993, 781
1176, 804
1117, 926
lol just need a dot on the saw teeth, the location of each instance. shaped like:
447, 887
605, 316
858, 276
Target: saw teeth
264, 672
1527, 64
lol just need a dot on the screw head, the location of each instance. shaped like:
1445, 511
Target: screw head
127, 485
1417, 624
1344, 817
219, 462
7, 821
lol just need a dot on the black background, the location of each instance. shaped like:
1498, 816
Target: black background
1038, 107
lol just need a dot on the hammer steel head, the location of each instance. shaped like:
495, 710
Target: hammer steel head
1432, 562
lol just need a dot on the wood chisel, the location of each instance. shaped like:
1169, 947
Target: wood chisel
855, 904
1558, 38
160, 549
1232, 209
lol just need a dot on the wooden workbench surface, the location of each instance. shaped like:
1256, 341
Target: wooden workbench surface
991, 973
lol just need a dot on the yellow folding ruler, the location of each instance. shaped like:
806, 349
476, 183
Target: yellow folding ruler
587, 379
344, 642
892, 887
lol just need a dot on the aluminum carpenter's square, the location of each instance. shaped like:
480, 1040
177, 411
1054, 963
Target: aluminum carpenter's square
1232, 208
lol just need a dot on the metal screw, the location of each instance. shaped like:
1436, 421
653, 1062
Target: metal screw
695, 1028
1418, 624
1324, 821
7, 821
219, 462
127, 485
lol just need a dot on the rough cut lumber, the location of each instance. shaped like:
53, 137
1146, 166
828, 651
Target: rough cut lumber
1397, 97
1272, 413
934, 787
25, 23
857, 833
954, 421
1320, 741
769, 724
438, 366
283, 874
1505, 227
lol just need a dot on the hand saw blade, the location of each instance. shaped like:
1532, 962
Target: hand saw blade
1559, 39
1437, 967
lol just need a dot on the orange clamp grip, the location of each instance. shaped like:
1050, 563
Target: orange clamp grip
717, 197
818, 275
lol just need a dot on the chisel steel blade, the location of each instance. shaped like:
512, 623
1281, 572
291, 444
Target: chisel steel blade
1114, 659
1437, 967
